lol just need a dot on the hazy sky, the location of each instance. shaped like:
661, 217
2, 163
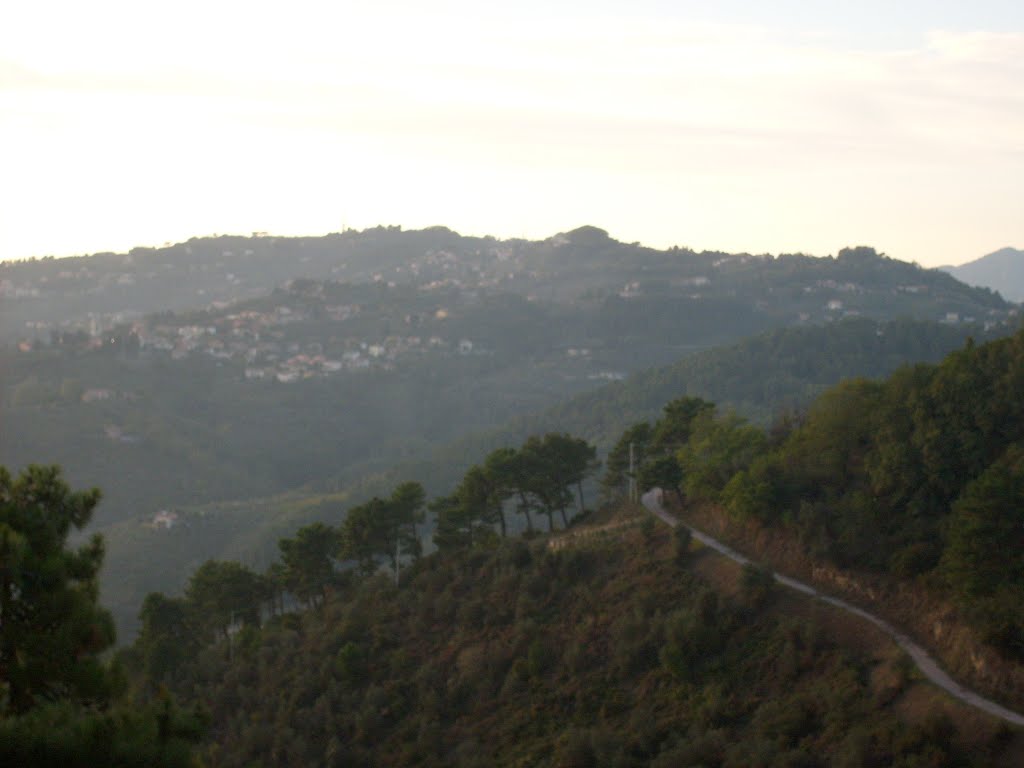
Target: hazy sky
732, 125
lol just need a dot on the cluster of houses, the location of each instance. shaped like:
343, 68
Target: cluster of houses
362, 356
11, 290
258, 340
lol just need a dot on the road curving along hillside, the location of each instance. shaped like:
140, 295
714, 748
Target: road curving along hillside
652, 501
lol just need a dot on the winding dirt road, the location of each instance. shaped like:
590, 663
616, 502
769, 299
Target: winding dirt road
928, 666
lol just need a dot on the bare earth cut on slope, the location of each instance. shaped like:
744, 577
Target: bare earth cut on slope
924, 662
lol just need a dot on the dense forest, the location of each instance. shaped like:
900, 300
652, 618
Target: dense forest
756, 377
595, 638
61, 702
915, 479
915, 476
610, 652
760, 376
309, 603
614, 644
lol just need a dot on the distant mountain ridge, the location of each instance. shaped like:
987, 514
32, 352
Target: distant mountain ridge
1001, 270
97, 293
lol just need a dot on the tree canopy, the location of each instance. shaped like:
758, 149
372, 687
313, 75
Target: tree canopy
60, 703
52, 628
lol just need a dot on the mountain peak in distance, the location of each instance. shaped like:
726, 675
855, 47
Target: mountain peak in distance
1001, 270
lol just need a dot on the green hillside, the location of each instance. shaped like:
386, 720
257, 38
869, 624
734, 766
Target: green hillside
918, 476
617, 648
610, 640
758, 377
421, 351
905, 493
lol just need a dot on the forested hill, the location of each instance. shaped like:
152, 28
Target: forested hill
612, 643
742, 290
761, 378
765, 375
321, 385
616, 646
914, 483
921, 474
758, 377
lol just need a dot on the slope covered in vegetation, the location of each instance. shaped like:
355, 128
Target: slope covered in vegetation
758, 377
920, 474
913, 482
61, 703
778, 370
615, 645
616, 649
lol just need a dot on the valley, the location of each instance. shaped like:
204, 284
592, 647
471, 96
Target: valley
213, 430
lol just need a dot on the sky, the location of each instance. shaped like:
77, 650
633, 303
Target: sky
735, 125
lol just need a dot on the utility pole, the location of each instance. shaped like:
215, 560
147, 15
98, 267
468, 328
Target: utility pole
632, 474
398, 554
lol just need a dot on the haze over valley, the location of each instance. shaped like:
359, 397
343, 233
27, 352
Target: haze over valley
324, 383
729, 475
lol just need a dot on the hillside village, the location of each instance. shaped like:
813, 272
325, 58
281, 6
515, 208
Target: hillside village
298, 333
217, 276
309, 329
259, 340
